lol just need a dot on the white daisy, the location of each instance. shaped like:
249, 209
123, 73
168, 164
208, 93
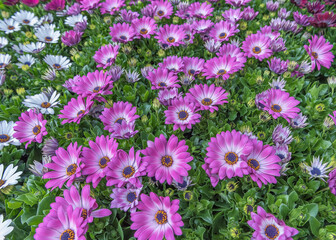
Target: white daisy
72, 20
26, 60
57, 62
19, 48
25, 18
9, 25
6, 134
34, 47
318, 169
3, 42
43, 102
5, 59
46, 19
5, 229
9, 177
47, 34
50, 74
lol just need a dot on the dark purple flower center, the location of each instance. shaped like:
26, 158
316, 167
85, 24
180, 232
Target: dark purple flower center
48, 39
182, 185
56, 66
162, 84
2, 65
80, 113
119, 120
281, 156
191, 72
253, 164
11, 27
276, 108
123, 37
45, 104
207, 101
67, 235
27, 63
131, 196
315, 171
256, 50
128, 171
26, 21
231, 158
161, 217
143, 31
222, 35
271, 231
36, 129
96, 89
249, 209
167, 161
188, 195
71, 169
315, 55
4, 138
84, 213
160, 13
187, 37
171, 39
221, 72
109, 60
183, 115
103, 162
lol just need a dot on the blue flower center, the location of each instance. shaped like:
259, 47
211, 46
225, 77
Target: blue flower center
36, 130
128, 171
103, 162
71, 169
4, 138
119, 120
276, 108
231, 158
131, 197
161, 217
26, 21
182, 185
183, 115
48, 39
315, 171
67, 235
167, 161
207, 101
253, 164
271, 231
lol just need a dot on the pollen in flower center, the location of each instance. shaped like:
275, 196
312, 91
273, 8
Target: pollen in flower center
71, 169
187, 37
122, 37
131, 196
183, 115
160, 13
171, 39
271, 231
36, 130
162, 84
11, 27
67, 235
2, 182
143, 31
191, 71
315, 171
84, 213
276, 108
253, 164
26, 21
48, 39
119, 120
231, 158
222, 35
103, 162
167, 161
80, 112
45, 104
315, 55
256, 50
161, 217
128, 171
221, 72
57, 66
4, 138
96, 89
206, 101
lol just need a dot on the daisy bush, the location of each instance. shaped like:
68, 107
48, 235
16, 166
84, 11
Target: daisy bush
167, 119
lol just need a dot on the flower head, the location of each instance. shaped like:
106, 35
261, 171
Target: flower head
170, 35
125, 198
318, 169
75, 110
6, 134
258, 46
162, 78
9, 176
122, 32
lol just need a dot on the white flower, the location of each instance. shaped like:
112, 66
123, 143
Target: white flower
5, 59
26, 60
46, 19
47, 34
6, 134
5, 229
9, 177
57, 62
34, 47
9, 25
43, 102
19, 48
49, 74
25, 18
318, 169
72, 20
3, 42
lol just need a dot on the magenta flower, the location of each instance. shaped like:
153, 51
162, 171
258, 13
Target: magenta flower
272, 6
64, 225
229, 49
200, 10
30, 127
279, 104
124, 130
73, 10
258, 46
55, 5
106, 55
75, 110
162, 8
162, 78
118, 113
320, 53
268, 32
125, 198
282, 135
66, 166
192, 65
223, 30
167, 95
333, 117
249, 14
221, 67
301, 19
128, 16
332, 181
96, 158
71, 82
226, 154
283, 13
263, 163
111, 6
207, 97
87, 5
170, 35
122, 32
323, 20
126, 169
214, 178
189, 33
144, 27
157, 218
283, 153
233, 15
202, 26
172, 63
267, 226
315, 7
167, 160
278, 66
237, 3
182, 113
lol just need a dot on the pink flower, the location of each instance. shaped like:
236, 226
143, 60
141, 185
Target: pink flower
55, 5
221, 67
75, 110
122, 32
170, 35
72, 38
30, 3
223, 30
144, 27
258, 46
162, 78
106, 55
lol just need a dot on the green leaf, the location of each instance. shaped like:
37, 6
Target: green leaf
284, 210
314, 225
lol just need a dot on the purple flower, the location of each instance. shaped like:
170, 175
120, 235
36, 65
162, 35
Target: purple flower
74, 9
80, 26
166, 96
258, 46
272, 6
278, 66
278, 45
106, 55
170, 35
332, 181
200, 10
125, 198
299, 121
282, 135
283, 153
75, 110
283, 13
249, 14
315, 7
128, 16
301, 19
71, 38
115, 72
162, 78
50, 146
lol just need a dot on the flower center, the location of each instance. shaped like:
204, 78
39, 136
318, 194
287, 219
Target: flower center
71, 169
256, 50
182, 185
249, 209
171, 39
11, 27
276, 108
2, 65
103, 162
183, 115
143, 31
160, 13
96, 89
80, 113
221, 72
36, 130
4, 138
27, 63
187, 37
191, 72
222, 35
161, 217
253, 164
58, 9
315, 55
123, 37
271, 231
281, 156
206, 101
48, 39
128, 171
56, 66
119, 120
162, 84
315, 171
45, 104
109, 60
231, 158
67, 235
84, 213
2, 182
167, 161
131, 196
26, 21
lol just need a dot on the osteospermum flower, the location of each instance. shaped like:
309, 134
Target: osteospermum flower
66, 166
55, 5
6, 134
277, 65
182, 113
267, 226
124, 130
25, 60
249, 14
144, 27
162, 78
88, 5
232, 50
221, 67
125, 198
192, 65
319, 51
299, 122
122, 32
282, 135
166, 96
222, 30
3, 42
43, 102
167, 160
263, 163
106, 55
9, 176
226, 154
5, 229
233, 15
162, 8
111, 6
199, 10
172, 63
202, 26
170, 35
237, 3
73, 20
71, 38
207, 97
30, 127
34, 47
25, 18
9, 25
332, 181
5, 59
57, 62
75, 110
318, 169
258, 46
157, 218
279, 104
47, 34
96, 158
323, 20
